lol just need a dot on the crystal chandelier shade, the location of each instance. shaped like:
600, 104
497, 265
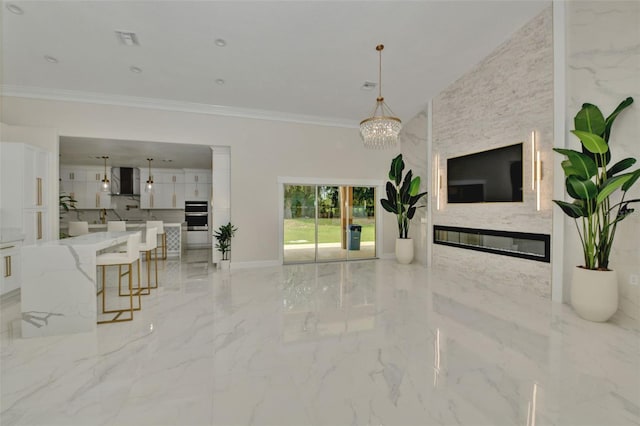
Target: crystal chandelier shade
381, 130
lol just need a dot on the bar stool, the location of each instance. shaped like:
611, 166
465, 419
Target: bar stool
150, 244
128, 258
116, 226
159, 225
78, 228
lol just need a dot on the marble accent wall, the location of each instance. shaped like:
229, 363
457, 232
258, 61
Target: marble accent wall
603, 61
413, 146
499, 102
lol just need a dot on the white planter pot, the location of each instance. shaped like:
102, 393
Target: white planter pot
404, 250
224, 265
594, 294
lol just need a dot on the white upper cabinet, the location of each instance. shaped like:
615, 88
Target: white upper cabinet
197, 185
84, 184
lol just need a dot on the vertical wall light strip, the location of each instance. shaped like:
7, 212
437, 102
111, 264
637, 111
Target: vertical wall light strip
436, 180
436, 358
533, 159
538, 178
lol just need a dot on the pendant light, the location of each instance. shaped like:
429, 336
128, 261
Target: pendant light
150, 180
105, 181
382, 128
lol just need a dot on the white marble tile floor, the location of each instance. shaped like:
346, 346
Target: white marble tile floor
361, 343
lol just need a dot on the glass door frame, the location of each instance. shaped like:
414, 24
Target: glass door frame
282, 181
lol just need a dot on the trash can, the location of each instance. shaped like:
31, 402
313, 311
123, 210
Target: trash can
354, 237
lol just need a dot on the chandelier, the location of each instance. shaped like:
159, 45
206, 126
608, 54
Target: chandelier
105, 181
382, 128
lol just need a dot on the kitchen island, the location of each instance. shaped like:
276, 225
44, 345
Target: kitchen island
59, 283
175, 244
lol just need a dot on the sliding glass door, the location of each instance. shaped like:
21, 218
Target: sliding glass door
324, 223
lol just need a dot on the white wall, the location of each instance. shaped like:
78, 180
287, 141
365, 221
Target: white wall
603, 68
498, 103
261, 150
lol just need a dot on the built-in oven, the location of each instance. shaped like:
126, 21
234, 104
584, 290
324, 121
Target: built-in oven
196, 214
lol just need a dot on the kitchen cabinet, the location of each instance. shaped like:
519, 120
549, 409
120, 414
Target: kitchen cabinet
167, 191
24, 191
10, 266
197, 186
84, 184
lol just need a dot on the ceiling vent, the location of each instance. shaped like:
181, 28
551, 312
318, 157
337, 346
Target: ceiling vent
127, 38
368, 85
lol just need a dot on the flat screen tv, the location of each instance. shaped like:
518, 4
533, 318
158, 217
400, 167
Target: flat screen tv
492, 176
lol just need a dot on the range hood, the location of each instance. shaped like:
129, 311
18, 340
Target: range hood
125, 181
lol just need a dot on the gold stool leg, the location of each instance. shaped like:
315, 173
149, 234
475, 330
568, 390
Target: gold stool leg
164, 246
119, 312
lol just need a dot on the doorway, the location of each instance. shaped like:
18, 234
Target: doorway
327, 223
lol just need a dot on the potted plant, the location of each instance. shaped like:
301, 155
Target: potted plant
591, 182
223, 237
67, 203
402, 197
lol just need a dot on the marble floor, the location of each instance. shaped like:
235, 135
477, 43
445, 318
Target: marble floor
360, 343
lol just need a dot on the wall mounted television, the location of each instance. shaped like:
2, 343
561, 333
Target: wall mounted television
491, 176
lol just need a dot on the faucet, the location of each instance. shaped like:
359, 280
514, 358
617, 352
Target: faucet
103, 215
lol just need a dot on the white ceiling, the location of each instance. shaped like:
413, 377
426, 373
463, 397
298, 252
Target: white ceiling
298, 60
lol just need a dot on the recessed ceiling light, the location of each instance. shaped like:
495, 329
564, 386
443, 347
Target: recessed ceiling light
136, 70
51, 59
220, 42
167, 161
15, 9
128, 38
220, 82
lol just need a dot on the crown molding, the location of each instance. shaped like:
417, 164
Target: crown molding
168, 105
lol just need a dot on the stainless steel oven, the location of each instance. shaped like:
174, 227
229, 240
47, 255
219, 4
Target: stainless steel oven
196, 214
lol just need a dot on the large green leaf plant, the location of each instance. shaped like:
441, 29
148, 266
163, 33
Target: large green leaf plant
402, 195
591, 183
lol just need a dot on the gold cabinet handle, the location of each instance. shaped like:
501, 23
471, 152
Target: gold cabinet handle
7, 266
173, 200
38, 191
39, 220
97, 200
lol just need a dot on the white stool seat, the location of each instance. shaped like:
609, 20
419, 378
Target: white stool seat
78, 228
127, 258
159, 225
150, 244
116, 226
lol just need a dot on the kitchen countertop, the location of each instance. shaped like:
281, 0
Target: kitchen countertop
130, 225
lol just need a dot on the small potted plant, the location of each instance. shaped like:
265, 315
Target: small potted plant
402, 197
591, 182
223, 237
67, 203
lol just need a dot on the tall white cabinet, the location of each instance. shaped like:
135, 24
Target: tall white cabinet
25, 186
25, 213
221, 192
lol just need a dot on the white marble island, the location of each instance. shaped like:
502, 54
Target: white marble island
172, 230
59, 283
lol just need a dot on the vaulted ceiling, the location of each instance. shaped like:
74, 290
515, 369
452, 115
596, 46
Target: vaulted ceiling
298, 60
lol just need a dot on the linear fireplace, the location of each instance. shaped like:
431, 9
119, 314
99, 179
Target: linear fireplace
516, 244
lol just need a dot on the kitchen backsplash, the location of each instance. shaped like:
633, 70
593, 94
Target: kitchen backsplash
122, 212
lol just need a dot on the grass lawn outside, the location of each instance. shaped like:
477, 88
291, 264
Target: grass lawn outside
302, 231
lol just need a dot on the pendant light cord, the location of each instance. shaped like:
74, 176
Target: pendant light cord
379, 49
